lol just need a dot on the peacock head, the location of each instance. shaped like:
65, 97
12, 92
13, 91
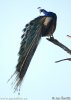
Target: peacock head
47, 13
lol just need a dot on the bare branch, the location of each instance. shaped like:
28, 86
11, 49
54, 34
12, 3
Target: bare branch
56, 42
68, 36
69, 59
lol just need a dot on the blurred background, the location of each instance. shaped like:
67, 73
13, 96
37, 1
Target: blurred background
45, 78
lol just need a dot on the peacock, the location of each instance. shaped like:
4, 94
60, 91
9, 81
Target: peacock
41, 26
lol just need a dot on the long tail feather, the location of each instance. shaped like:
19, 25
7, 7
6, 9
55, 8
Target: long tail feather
30, 41
33, 31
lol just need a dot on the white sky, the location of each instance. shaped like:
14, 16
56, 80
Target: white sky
44, 78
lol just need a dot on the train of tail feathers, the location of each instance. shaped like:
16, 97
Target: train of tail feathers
39, 27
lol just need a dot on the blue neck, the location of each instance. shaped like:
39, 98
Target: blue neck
45, 12
49, 14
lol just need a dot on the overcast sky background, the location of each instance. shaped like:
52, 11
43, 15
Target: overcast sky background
44, 78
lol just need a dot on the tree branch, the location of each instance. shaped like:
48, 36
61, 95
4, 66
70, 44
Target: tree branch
56, 42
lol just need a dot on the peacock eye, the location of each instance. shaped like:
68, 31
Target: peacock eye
41, 10
26, 25
24, 29
31, 23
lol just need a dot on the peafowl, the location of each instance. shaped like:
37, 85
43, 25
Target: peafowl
39, 27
